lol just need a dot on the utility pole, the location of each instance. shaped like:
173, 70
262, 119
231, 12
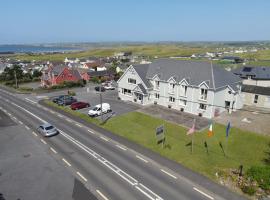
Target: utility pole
101, 102
15, 76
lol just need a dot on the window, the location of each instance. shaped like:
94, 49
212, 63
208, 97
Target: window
157, 95
269, 99
203, 94
183, 90
171, 99
126, 91
171, 87
131, 80
202, 106
183, 102
157, 84
256, 97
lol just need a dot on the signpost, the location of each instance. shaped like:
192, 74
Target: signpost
160, 135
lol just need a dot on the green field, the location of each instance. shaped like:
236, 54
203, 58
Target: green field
146, 50
242, 148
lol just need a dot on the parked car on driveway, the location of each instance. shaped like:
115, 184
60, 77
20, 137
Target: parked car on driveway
79, 105
59, 98
96, 111
66, 101
109, 87
100, 88
47, 130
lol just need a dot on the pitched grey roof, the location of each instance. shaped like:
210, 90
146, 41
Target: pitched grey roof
142, 88
256, 73
194, 72
256, 89
142, 69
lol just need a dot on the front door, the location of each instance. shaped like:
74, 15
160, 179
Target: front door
139, 97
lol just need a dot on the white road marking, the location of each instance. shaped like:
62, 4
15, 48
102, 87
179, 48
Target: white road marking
146, 191
103, 138
78, 125
169, 174
27, 127
52, 112
82, 176
65, 161
102, 195
53, 150
68, 120
142, 159
90, 131
29, 113
29, 100
208, 196
34, 133
20, 122
43, 141
14, 118
9, 114
60, 115
120, 147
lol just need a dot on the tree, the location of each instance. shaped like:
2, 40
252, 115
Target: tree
9, 73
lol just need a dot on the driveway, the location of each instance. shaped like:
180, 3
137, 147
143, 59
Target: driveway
249, 118
177, 117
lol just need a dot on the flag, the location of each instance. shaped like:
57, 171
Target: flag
192, 129
210, 131
228, 129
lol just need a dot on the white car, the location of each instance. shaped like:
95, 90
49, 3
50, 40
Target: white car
109, 87
96, 111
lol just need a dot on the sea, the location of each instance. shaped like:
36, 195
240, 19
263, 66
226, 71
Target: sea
35, 49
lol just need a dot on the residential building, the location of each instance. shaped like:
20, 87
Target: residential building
55, 75
256, 85
199, 88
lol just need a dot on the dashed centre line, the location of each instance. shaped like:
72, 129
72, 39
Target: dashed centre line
102, 195
82, 177
20, 122
43, 141
53, 150
27, 127
78, 125
65, 161
142, 159
203, 193
68, 120
169, 174
103, 138
34, 133
120, 147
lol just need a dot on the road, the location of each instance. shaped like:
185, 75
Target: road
108, 168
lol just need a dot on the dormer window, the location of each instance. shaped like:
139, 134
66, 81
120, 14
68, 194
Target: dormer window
157, 85
183, 90
131, 80
171, 87
203, 94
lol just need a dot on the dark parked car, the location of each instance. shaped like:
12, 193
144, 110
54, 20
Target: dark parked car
66, 101
79, 105
59, 98
100, 88
47, 130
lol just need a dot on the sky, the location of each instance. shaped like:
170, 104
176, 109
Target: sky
53, 21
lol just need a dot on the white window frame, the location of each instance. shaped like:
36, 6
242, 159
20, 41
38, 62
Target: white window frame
203, 105
171, 99
157, 85
126, 93
183, 90
203, 94
182, 100
157, 95
130, 82
255, 100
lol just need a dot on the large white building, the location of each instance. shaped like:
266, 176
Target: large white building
199, 88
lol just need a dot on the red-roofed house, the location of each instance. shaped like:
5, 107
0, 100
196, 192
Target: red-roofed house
58, 74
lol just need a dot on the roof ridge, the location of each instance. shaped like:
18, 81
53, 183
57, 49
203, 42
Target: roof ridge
213, 77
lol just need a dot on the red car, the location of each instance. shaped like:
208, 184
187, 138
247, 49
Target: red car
79, 105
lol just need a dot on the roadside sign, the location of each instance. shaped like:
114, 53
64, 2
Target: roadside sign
160, 134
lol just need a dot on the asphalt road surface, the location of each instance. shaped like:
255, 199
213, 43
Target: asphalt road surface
108, 168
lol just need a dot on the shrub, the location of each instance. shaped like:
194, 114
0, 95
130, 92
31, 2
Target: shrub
250, 190
94, 80
28, 89
261, 174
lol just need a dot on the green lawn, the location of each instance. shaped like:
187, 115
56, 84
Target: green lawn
242, 147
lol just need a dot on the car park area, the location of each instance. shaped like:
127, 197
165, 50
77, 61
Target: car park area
89, 95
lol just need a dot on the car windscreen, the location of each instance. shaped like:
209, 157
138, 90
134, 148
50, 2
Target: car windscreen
95, 108
49, 128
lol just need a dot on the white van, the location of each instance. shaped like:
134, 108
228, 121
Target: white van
96, 111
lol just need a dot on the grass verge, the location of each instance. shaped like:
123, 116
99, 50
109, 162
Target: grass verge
241, 148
